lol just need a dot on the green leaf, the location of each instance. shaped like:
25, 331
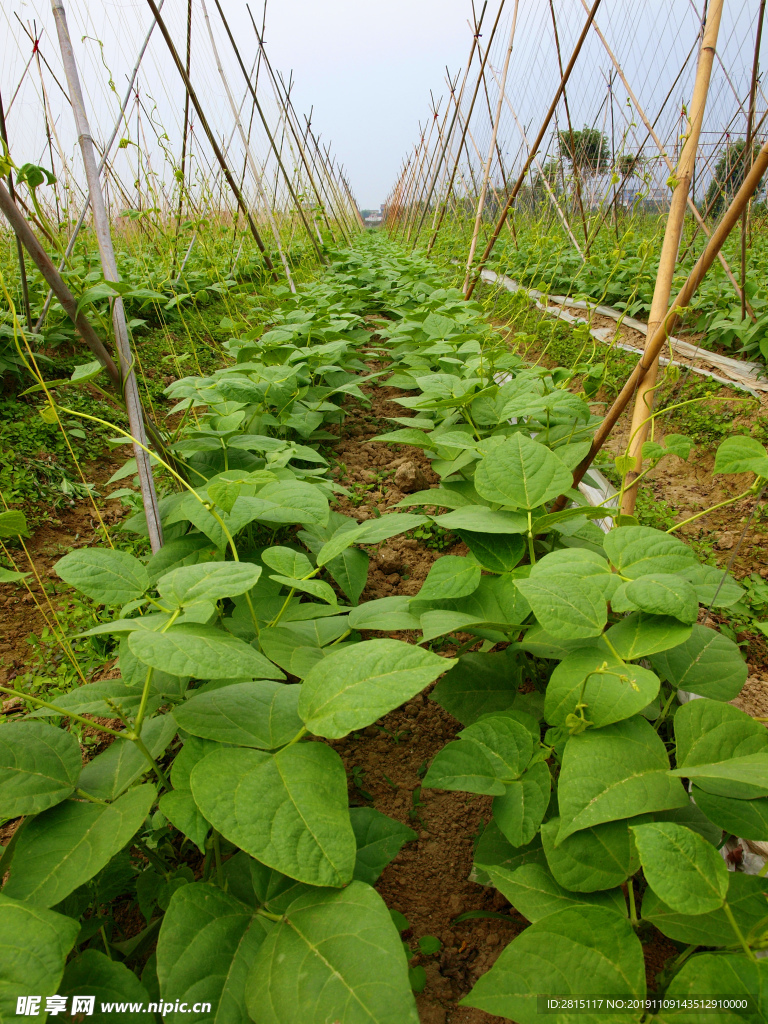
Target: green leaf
35, 945
293, 501
317, 588
289, 651
352, 688
746, 899
681, 867
387, 613
450, 577
110, 773
181, 810
522, 473
519, 812
713, 586
615, 772
507, 740
741, 454
664, 594
379, 840
207, 581
39, 766
257, 714
580, 951
464, 766
337, 956
350, 571
13, 523
109, 577
565, 606
709, 975
287, 562
494, 849
496, 552
94, 974
722, 748
208, 941
707, 663
533, 891
374, 531
640, 550
610, 689
596, 858
479, 519
745, 818
479, 684
224, 494
63, 847
289, 810
639, 635
204, 652
7, 576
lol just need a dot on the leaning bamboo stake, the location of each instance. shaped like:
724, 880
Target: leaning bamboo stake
660, 146
19, 247
656, 342
534, 148
670, 248
255, 170
748, 150
109, 266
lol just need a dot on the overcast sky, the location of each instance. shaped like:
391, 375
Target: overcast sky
368, 66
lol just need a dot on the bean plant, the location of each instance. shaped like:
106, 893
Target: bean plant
221, 801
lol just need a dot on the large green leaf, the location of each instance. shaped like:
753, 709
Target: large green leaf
257, 714
707, 663
379, 840
39, 766
579, 951
287, 562
612, 773
494, 551
450, 577
723, 749
208, 581
34, 944
289, 810
640, 550
746, 900
204, 652
479, 684
520, 811
506, 739
481, 520
741, 454
180, 809
464, 766
600, 857
208, 941
521, 473
289, 650
337, 957
713, 976
663, 593
681, 867
611, 689
68, 844
533, 891
745, 818
110, 773
353, 687
109, 577
293, 501
350, 571
94, 974
639, 635
564, 605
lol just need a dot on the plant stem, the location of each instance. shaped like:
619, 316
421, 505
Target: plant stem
91, 799
632, 906
299, 735
155, 766
143, 703
714, 508
737, 931
63, 711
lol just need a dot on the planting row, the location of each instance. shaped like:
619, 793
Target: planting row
242, 649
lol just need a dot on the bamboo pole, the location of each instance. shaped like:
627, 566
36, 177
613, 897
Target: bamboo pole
748, 149
535, 148
184, 133
491, 150
263, 119
19, 246
659, 145
670, 248
255, 170
109, 266
656, 342
211, 137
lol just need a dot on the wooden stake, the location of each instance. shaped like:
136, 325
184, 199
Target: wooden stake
670, 248
109, 266
19, 247
748, 149
534, 149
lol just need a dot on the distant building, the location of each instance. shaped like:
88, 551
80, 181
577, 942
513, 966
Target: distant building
372, 218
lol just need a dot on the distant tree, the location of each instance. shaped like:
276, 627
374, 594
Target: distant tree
731, 169
628, 165
587, 150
